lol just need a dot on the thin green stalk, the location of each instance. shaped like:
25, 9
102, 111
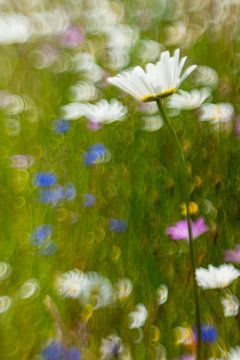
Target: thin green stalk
186, 200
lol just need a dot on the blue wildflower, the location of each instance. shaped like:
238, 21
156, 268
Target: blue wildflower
61, 126
88, 200
70, 192
118, 225
56, 351
41, 233
73, 354
52, 196
49, 248
45, 179
96, 153
208, 332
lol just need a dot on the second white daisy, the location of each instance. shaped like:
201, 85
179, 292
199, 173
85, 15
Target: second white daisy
216, 277
188, 100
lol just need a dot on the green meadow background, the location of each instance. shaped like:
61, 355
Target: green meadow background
140, 184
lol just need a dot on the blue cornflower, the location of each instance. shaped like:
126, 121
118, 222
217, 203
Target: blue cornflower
208, 332
49, 248
56, 351
41, 233
70, 192
52, 196
73, 354
88, 200
96, 153
118, 225
45, 179
61, 126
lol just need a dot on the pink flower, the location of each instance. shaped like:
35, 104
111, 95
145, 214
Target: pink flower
233, 255
72, 37
179, 231
94, 126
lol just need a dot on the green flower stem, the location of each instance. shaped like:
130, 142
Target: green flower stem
186, 200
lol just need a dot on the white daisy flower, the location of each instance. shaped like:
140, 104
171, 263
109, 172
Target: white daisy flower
138, 317
162, 294
71, 284
157, 81
98, 291
123, 288
234, 354
216, 277
29, 288
188, 100
217, 113
104, 112
5, 303
230, 305
111, 347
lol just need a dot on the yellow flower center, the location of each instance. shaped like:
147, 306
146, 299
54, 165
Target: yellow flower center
154, 97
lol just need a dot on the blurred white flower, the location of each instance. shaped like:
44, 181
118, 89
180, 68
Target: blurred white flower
158, 80
188, 100
104, 112
111, 347
217, 113
152, 123
84, 91
5, 270
149, 108
12, 104
230, 305
84, 62
216, 277
47, 23
102, 14
162, 294
5, 303
176, 34
14, 28
118, 58
29, 288
73, 111
138, 317
21, 161
206, 76
98, 291
120, 39
123, 288
121, 36
234, 354
71, 284
149, 50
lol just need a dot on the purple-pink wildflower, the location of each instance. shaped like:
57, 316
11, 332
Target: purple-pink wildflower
233, 255
179, 231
